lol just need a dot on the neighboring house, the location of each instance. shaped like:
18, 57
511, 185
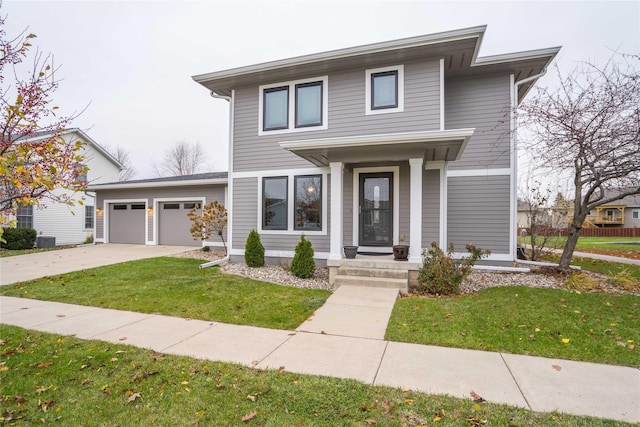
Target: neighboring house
154, 211
72, 224
623, 213
556, 216
401, 142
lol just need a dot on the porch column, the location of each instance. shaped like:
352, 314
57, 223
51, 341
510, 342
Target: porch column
415, 211
335, 248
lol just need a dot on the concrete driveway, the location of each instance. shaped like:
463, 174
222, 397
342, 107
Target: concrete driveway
32, 266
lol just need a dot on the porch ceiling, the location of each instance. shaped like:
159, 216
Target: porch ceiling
445, 145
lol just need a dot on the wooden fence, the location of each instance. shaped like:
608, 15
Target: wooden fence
588, 232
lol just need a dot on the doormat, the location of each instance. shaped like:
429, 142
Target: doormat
375, 253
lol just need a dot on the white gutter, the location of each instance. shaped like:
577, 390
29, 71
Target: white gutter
213, 263
154, 184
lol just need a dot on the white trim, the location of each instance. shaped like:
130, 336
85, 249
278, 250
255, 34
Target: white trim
281, 172
434, 164
479, 172
501, 268
444, 209
492, 257
156, 184
336, 236
415, 209
292, 106
280, 254
105, 216
513, 196
156, 211
367, 80
291, 201
441, 93
229, 188
356, 200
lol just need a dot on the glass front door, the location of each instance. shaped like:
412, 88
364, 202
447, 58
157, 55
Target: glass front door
376, 209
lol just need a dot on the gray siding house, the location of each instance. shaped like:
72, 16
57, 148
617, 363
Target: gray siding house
402, 142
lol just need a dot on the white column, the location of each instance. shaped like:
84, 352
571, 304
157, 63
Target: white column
415, 211
335, 248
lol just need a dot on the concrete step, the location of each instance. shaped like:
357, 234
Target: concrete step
377, 262
373, 272
372, 282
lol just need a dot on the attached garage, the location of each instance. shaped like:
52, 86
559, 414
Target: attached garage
127, 223
174, 224
154, 211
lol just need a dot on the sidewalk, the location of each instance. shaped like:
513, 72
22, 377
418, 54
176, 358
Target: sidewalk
601, 257
535, 383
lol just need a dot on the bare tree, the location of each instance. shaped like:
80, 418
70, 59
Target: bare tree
123, 157
590, 128
182, 158
535, 199
208, 222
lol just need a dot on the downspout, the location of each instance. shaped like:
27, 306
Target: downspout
514, 178
226, 258
95, 217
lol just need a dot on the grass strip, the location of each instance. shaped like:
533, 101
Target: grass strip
177, 287
593, 327
46, 378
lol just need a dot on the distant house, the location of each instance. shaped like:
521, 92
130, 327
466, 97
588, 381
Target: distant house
72, 224
403, 142
623, 213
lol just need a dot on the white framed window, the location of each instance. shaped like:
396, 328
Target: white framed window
295, 106
635, 214
293, 204
88, 217
384, 90
24, 216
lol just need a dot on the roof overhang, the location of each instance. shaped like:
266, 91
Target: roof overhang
130, 185
447, 145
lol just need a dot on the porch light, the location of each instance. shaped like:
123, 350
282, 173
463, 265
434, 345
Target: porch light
310, 189
149, 209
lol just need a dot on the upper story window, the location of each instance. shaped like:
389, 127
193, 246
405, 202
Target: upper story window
295, 106
384, 90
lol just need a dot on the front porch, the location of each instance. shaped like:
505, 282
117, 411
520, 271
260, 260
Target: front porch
378, 271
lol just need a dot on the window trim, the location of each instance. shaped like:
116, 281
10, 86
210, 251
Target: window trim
373, 89
291, 106
369, 75
92, 216
295, 202
635, 214
290, 230
263, 226
29, 215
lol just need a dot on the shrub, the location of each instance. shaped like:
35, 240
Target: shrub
206, 248
578, 281
88, 240
18, 238
440, 274
623, 280
253, 250
303, 265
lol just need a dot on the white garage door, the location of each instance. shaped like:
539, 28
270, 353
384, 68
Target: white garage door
174, 225
127, 223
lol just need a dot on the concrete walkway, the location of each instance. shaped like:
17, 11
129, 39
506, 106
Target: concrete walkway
32, 266
531, 382
602, 257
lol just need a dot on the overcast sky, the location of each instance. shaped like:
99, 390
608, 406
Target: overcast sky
132, 62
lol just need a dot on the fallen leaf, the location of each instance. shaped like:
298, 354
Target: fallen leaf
370, 421
631, 346
41, 389
281, 369
45, 364
565, 340
122, 338
133, 397
476, 397
251, 398
61, 315
254, 362
537, 329
114, 359
557, 367
408, 401
249, 416
448, 315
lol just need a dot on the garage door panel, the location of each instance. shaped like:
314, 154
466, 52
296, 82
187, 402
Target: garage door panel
174, 224
127, 223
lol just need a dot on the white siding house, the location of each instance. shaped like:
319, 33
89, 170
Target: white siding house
74, 224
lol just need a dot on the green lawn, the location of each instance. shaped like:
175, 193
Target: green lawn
591, 243
47, 378
177, 287
599, 327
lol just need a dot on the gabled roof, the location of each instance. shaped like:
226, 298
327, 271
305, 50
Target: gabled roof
84, 137
171, 181
459, 48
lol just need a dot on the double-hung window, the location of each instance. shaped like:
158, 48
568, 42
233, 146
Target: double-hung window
384, 89
635, 214
24, 216
88, 217
295, 106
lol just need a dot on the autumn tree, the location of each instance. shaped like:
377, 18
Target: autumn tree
123, 157
590, 128
211, 221
182, 158
35, 159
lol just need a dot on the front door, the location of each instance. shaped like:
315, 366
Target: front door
376, 209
